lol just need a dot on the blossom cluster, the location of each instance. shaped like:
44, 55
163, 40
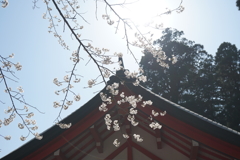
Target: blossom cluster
107, 18
64, 126
116, 143
155, 125
27, 122
65, 90
137, 137
108, 121
116, 125
4, 3
113, 89
134, 75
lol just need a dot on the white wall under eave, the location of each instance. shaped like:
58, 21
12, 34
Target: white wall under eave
149, 143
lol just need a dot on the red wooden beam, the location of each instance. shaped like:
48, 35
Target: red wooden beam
158, 138
190, 131
91, 149
194, 133
97, 138
116, 152
194, 150
86, 153
68, 135
145, 129
129, 149
144, 151
79, 150
129, 153
214, 154
171, 132
74, 144
58, 155
127, 126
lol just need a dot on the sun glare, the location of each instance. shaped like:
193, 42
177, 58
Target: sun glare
145, 12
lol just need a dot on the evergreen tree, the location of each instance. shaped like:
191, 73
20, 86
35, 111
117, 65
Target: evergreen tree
227, 61
238, 4
184, 81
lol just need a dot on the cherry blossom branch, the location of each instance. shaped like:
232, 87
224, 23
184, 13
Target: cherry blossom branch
69, 85
80, 42
14, 110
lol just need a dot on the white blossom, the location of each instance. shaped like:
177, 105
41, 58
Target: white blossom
18, 66
116, 143
30, 115
20, 89
122, 95
37, 136
150, 117
91, 83
103, 107
113, 89
107, 60
149, 102
116, 125
26, 108
66, 79
155, 125
142, 78
108, 127
137, 137
108, 121
77, 97
33, 122
7, 137
134, 123
8, 110
64, 126
22, 138
163, 113
44, 16
56, 104
65, 107
20, 125
65, 7
4, 3
34, 128
105, 98
69, 103
7, 121
119, 54
154, 113
133, 111
125, 136
110, 22
55, 81
77, 80
11, 55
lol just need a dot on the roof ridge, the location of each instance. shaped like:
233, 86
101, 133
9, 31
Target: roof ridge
194, 113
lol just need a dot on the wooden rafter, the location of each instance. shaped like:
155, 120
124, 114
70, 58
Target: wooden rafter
116, 152
144, 151
68, 135
158, 138
129, 151
58, 155
194, 150
97, 138
194, 133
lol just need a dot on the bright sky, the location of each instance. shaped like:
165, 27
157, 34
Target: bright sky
25, 33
